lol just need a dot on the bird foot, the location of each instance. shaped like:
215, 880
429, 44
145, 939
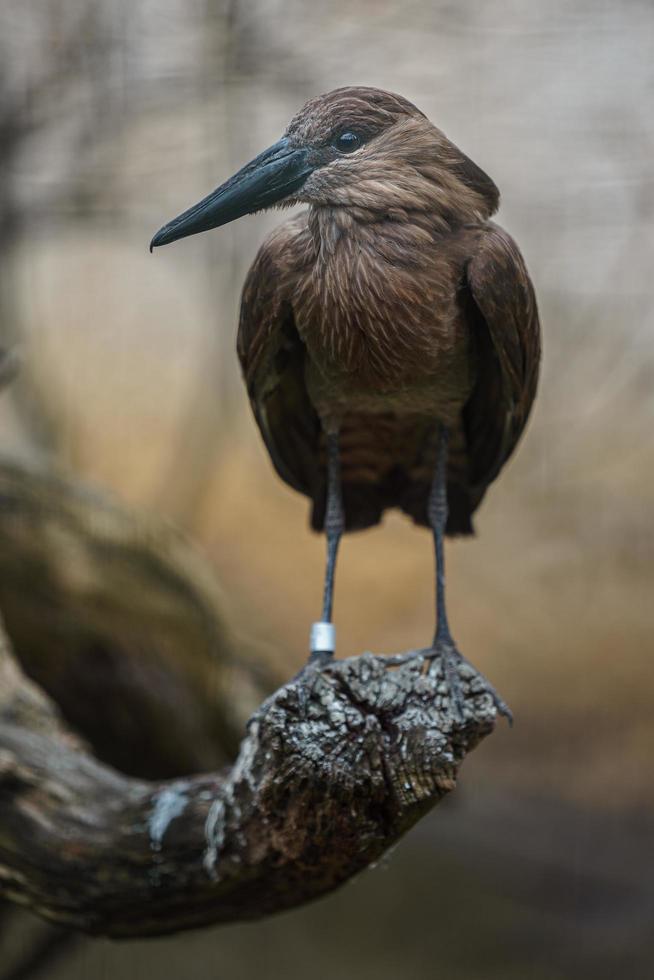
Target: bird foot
303, 682
305, 678
451, 659
445, 650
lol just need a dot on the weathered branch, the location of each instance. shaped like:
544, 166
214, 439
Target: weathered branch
335, 768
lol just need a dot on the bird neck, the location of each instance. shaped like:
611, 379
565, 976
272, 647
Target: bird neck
371, 288
334, 227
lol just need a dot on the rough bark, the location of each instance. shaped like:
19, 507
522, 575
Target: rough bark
335, 767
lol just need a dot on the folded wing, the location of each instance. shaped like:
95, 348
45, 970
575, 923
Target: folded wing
507, 333
272, 358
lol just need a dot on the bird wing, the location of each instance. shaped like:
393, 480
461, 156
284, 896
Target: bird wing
507, 334
272, 358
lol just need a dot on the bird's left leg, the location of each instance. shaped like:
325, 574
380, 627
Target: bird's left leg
323, 633
443, 645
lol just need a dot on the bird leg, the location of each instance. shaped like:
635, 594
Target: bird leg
437, 515
443, 645
323, 634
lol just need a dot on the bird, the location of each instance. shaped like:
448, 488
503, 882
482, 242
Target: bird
388, 335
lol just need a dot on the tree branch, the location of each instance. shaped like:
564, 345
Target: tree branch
335, 767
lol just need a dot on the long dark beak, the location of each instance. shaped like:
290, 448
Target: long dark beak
273, 175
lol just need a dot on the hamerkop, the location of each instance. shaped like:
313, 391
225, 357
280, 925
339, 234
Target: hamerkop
388, 335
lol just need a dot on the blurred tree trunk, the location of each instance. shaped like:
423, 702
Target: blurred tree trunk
121, 621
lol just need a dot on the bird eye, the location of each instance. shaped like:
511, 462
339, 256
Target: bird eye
347, 142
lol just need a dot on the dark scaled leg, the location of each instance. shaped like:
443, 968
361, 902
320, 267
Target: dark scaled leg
323, 634
443, 645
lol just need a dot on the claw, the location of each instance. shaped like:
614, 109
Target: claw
450, 658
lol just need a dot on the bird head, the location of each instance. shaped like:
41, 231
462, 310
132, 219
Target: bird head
358, 148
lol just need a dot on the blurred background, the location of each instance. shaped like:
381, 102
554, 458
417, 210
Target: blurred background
115, 115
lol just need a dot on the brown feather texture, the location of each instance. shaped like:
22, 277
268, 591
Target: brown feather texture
388, 307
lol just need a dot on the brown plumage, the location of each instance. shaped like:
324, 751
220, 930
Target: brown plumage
391, 327
389, 306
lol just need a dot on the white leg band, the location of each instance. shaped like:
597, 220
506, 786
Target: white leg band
323, 638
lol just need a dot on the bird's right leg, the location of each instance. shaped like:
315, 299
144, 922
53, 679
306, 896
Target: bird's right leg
323, 633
